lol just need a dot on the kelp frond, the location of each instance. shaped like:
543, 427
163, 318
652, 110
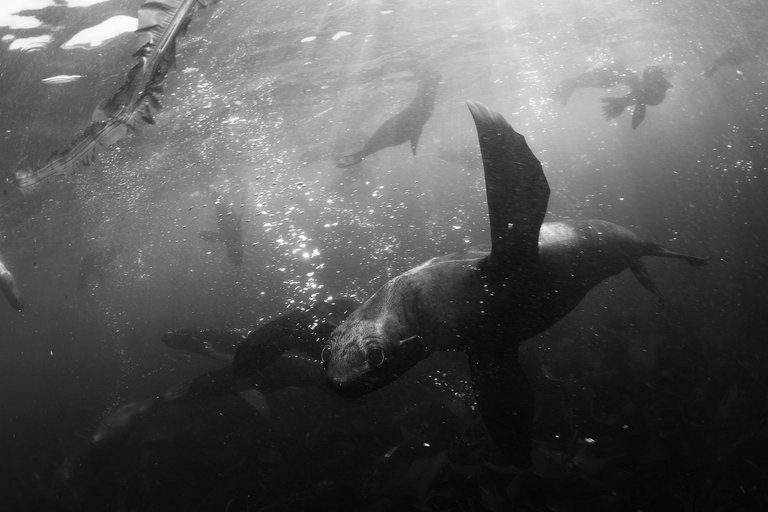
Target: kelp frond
136, 103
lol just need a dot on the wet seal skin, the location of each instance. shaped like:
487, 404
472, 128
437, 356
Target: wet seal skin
10, 288
486, 302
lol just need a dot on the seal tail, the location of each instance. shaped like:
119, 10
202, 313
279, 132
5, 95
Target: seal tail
654, 249
615, 106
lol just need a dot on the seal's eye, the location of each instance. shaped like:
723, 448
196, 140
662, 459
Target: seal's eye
376, 357
325, 355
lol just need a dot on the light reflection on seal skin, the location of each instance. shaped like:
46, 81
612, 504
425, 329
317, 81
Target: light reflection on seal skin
10, 288
487, 302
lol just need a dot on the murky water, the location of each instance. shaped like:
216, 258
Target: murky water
638, 406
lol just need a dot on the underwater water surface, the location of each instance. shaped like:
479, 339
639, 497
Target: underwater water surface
639, 405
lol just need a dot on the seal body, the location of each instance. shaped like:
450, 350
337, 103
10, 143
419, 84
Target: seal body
445, 302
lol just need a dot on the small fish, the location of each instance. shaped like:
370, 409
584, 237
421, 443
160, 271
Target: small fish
61, 79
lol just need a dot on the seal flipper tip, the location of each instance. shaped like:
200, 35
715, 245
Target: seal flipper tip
638, 115
641, 273
516, 188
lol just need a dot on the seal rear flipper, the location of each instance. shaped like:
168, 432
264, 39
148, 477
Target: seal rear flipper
642, 275
516, 188
654, 249
638, 115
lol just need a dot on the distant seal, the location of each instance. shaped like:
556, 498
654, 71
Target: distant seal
734, 56
651, 89
230, 231
406, 126
10, 289
487, 302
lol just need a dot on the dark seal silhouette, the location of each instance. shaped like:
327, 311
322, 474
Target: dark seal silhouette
406, 126
486, 303
230, 231
734, 56
651, 89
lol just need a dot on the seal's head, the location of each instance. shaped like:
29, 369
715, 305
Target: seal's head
363, 355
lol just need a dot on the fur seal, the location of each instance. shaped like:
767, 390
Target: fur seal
406, 126
486, 302
10, 289
230, 231
651, 89
734, 56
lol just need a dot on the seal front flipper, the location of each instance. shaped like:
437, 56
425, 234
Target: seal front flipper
638, 115
614, 107
516, 188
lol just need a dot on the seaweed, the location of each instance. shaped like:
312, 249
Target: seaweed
134, 105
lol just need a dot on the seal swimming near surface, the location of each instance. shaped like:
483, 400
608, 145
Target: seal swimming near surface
230, 231
486, 302
10, 288
406, 126
651, 89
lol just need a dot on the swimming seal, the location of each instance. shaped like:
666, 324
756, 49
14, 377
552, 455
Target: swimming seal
230, 231
406, 126
10, 289
486, 302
